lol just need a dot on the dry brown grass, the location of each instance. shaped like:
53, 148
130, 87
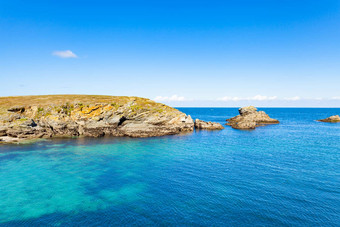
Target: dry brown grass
45, 100
58, 100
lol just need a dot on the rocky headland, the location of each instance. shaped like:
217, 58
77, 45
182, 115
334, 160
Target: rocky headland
331, 119
250, 118
30, 117
199, 124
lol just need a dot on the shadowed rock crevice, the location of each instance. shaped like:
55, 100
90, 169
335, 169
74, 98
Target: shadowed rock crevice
20, 109
121, 120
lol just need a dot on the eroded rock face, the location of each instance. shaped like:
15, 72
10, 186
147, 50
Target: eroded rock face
207, 125
247, 110
250, 118
331, 119
134, 117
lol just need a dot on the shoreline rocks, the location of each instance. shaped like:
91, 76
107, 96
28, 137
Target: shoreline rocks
331, 119
8, 139
250, 118
199, 124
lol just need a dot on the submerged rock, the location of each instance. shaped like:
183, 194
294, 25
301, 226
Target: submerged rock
332, 119
250, 118
207, 125
86, 115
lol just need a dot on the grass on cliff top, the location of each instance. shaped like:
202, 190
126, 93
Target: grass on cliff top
57, 100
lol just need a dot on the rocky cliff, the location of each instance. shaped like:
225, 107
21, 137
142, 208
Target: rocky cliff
27, 117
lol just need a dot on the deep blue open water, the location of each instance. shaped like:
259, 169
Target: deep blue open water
278, 175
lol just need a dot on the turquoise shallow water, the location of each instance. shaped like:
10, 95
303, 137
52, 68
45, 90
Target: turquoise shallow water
286, 174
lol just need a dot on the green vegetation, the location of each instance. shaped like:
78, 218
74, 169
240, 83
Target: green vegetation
67, 108
80, 106
58, 109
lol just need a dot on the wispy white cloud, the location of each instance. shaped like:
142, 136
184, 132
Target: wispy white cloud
236, 99
335, 98
254, 98
271, 98
171, 98
64, 54
295, 98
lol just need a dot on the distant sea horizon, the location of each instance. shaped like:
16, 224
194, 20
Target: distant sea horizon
256, 107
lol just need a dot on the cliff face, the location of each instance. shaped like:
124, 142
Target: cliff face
84, 115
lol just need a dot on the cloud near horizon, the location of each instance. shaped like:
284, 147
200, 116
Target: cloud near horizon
171, 98
296, 98
64, 54
257, 100
176, 98
254, 98
272, 98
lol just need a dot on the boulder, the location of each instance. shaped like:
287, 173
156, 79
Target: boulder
199, 124
8, 139
331, 119
250, 118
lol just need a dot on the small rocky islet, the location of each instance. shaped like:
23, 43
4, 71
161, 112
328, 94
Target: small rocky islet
331, 119
199, 124
250, 118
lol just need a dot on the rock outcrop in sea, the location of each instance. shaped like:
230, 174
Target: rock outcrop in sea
331, 119
250, 118
29, 117
199, 124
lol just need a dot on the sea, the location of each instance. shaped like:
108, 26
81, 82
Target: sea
278, 175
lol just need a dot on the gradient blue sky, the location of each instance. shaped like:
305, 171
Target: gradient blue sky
183, 53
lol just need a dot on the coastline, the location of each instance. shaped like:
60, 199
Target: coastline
160, 119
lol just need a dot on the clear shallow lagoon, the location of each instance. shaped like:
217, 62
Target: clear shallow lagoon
286, 174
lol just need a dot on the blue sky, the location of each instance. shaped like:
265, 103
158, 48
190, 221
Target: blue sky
183, 53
